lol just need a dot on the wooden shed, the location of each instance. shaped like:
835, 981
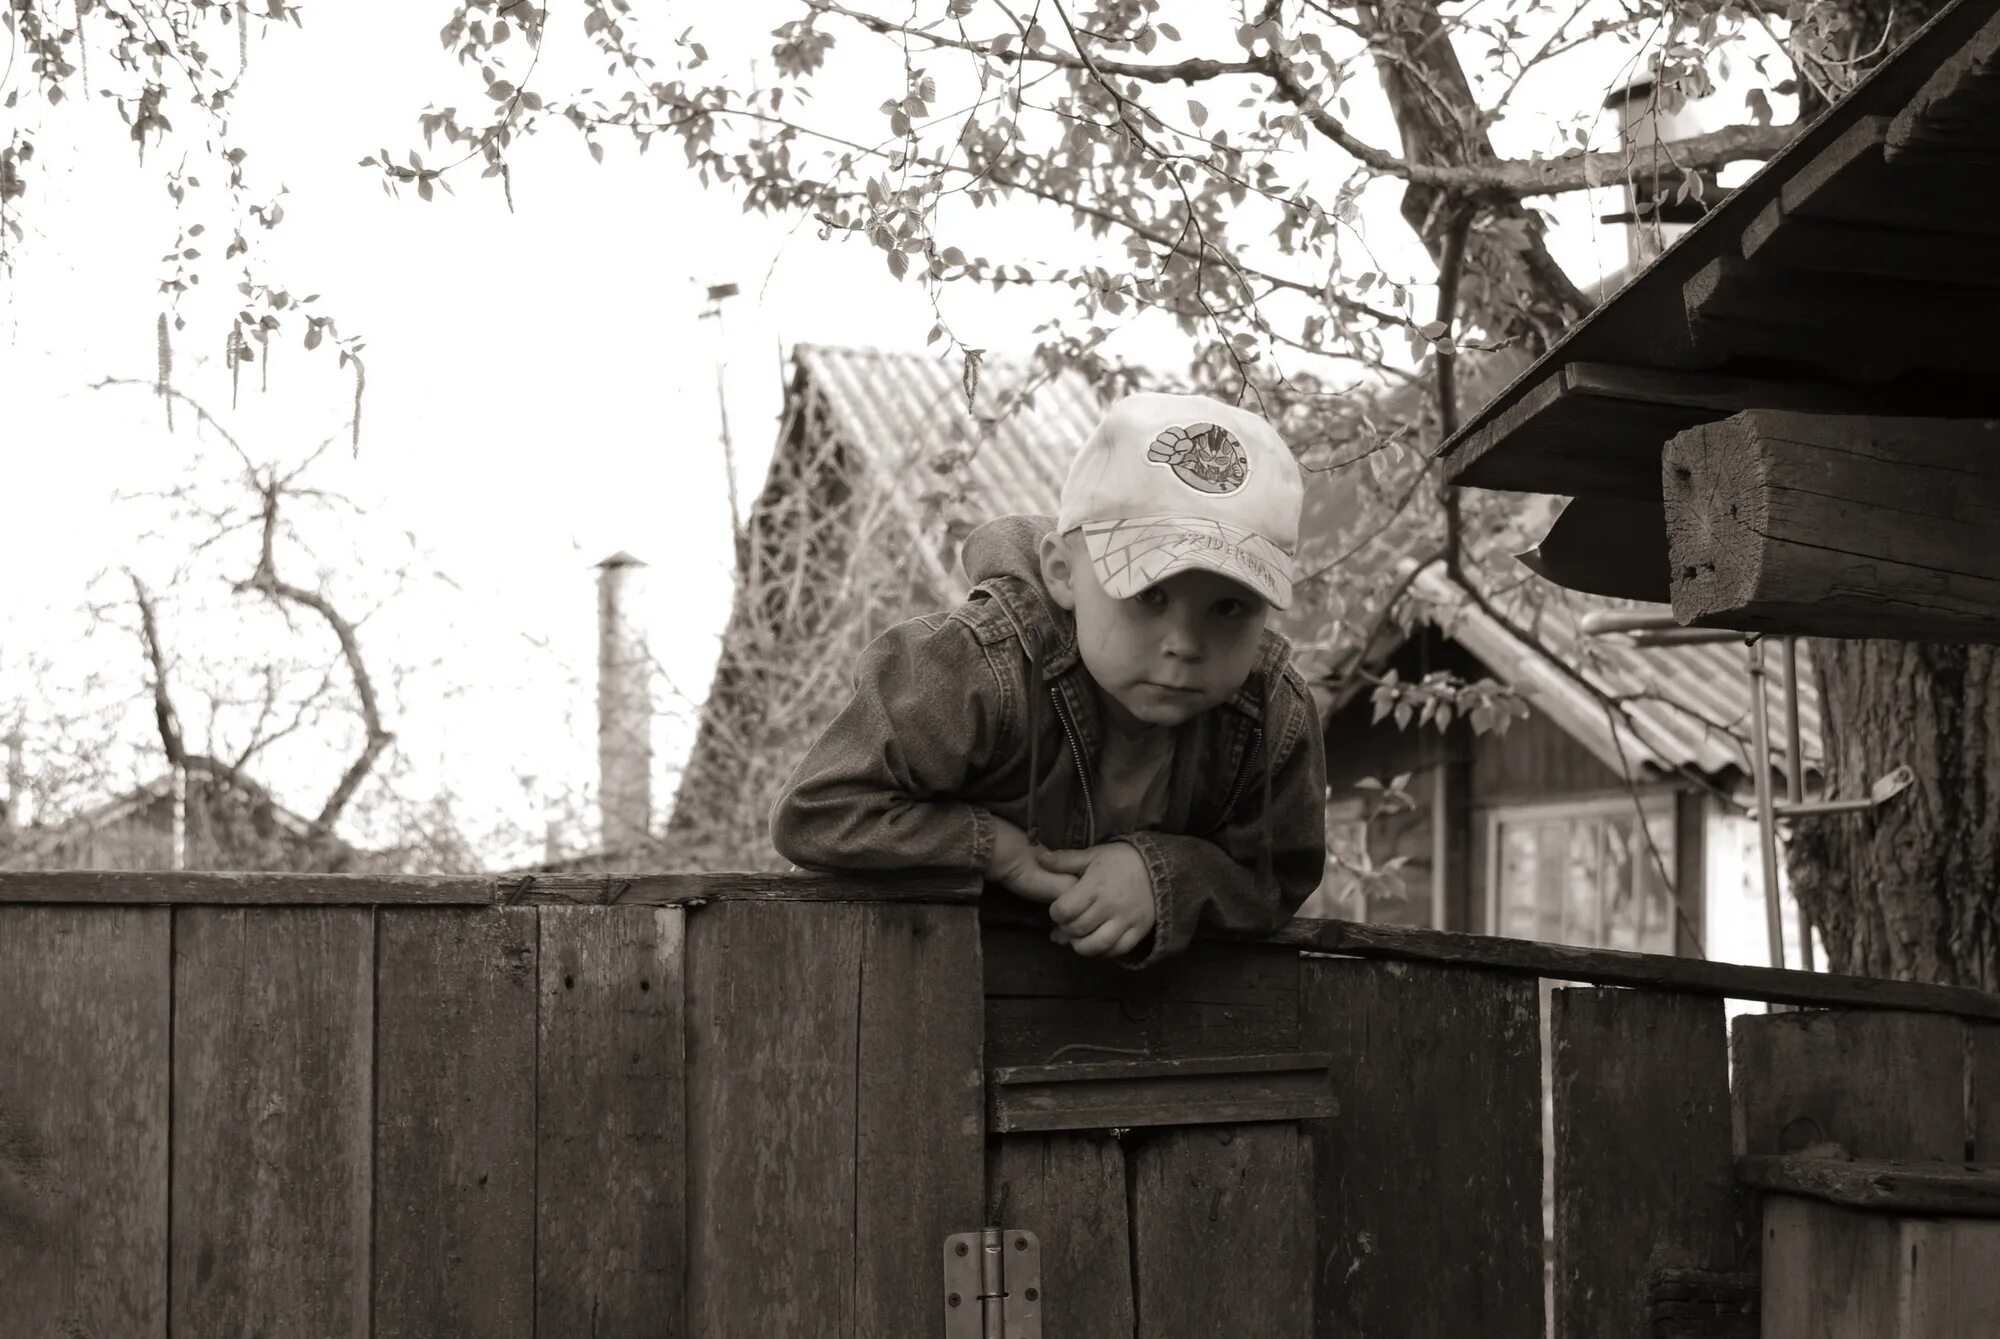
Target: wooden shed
1785, 422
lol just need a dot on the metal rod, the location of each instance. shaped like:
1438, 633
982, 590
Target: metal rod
1767, 834
1627, 620
1795, 780
1683, 637
1814, 808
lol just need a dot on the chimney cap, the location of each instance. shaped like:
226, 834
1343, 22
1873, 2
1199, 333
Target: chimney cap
622, 559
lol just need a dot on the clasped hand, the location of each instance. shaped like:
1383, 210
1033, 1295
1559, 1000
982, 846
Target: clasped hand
1100, 898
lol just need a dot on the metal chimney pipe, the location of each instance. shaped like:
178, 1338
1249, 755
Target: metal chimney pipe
624, 707
14, 810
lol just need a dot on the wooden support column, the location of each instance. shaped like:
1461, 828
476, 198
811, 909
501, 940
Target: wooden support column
1837, 526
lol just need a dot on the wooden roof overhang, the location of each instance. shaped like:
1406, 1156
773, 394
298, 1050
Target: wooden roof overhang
1784, 422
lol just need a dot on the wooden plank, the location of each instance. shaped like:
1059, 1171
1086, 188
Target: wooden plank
1070, 1191
1899, 1185
1643, 1175
773, 1032
1739, 310
455, 1122
1440, 1108
1238, 1194
1616, 967
1820, 246
611, 1137
1702, 1304
1949, 123
273, 1098
1129, 1094
1878, 1085
1982, 1091
1851, 181
83, 1121
1045, 1004
1833, 1272
1753, 502
161, 887
919, 1141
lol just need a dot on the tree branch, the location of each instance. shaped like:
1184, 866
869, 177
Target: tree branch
266, 582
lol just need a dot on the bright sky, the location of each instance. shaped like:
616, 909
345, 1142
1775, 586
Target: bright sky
542, 387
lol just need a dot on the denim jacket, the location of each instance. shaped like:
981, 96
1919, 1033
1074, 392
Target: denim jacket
986, 710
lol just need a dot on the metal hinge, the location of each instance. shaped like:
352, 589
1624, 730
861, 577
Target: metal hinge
993, 1285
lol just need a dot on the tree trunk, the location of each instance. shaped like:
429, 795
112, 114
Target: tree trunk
1909, 890
1509, 283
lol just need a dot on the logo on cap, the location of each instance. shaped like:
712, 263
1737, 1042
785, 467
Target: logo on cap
1204, 456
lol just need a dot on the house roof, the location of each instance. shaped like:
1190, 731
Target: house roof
902, 410
1685, 706
1876, 217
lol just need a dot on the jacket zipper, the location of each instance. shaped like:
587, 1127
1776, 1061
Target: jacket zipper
1076, 755
1242, 774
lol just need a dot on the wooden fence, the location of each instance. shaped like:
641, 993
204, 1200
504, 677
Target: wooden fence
725, 1105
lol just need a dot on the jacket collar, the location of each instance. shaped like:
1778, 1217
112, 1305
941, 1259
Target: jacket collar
1048, 634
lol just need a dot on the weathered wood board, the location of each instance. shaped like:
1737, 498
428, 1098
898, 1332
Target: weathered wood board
1045, 1004
1879, 1085
1223, 1231
610, 1137
455, 1123
83, 1121
1070, 1191
1643, 1170
1838, 1273
273, 1138
919, 1149
1435, 1155
834, 1114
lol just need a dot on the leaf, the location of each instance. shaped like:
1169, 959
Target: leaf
958, 9
899, 263
1433, 330
596, 151
1168, 31
1197, 113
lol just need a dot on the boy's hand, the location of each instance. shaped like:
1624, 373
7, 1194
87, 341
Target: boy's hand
1017, 865
1110, 909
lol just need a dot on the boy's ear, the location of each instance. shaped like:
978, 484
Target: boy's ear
1058, 574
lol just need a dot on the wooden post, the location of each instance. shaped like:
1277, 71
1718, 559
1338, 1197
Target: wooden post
1875, 1086
1837, 526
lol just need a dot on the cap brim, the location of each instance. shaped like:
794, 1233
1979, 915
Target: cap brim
1132, 554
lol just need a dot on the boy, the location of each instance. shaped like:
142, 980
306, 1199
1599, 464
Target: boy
1105, 725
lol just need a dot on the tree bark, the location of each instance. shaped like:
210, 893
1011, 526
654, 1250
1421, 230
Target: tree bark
1909, 890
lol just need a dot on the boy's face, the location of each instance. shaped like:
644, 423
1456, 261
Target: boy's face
1171, 652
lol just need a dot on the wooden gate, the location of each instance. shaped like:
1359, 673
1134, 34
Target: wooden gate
725, 1105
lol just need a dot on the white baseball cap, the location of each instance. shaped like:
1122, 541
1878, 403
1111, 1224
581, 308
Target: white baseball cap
1172, 482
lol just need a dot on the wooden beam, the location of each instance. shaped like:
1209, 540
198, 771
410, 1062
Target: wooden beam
1886, 1185
1131, 1093
1795, 242
1613, 546
1617, 967
1864, 328
1598, 427
1837, 526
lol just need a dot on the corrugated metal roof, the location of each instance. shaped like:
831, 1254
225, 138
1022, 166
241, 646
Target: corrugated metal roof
906, 411
1685, 706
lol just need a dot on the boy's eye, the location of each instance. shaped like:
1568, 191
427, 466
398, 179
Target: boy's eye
1233, 608
1152, 597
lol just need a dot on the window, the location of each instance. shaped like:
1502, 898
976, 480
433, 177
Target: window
1588, 873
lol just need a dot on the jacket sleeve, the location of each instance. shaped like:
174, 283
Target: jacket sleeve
1214, 879
879, 788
